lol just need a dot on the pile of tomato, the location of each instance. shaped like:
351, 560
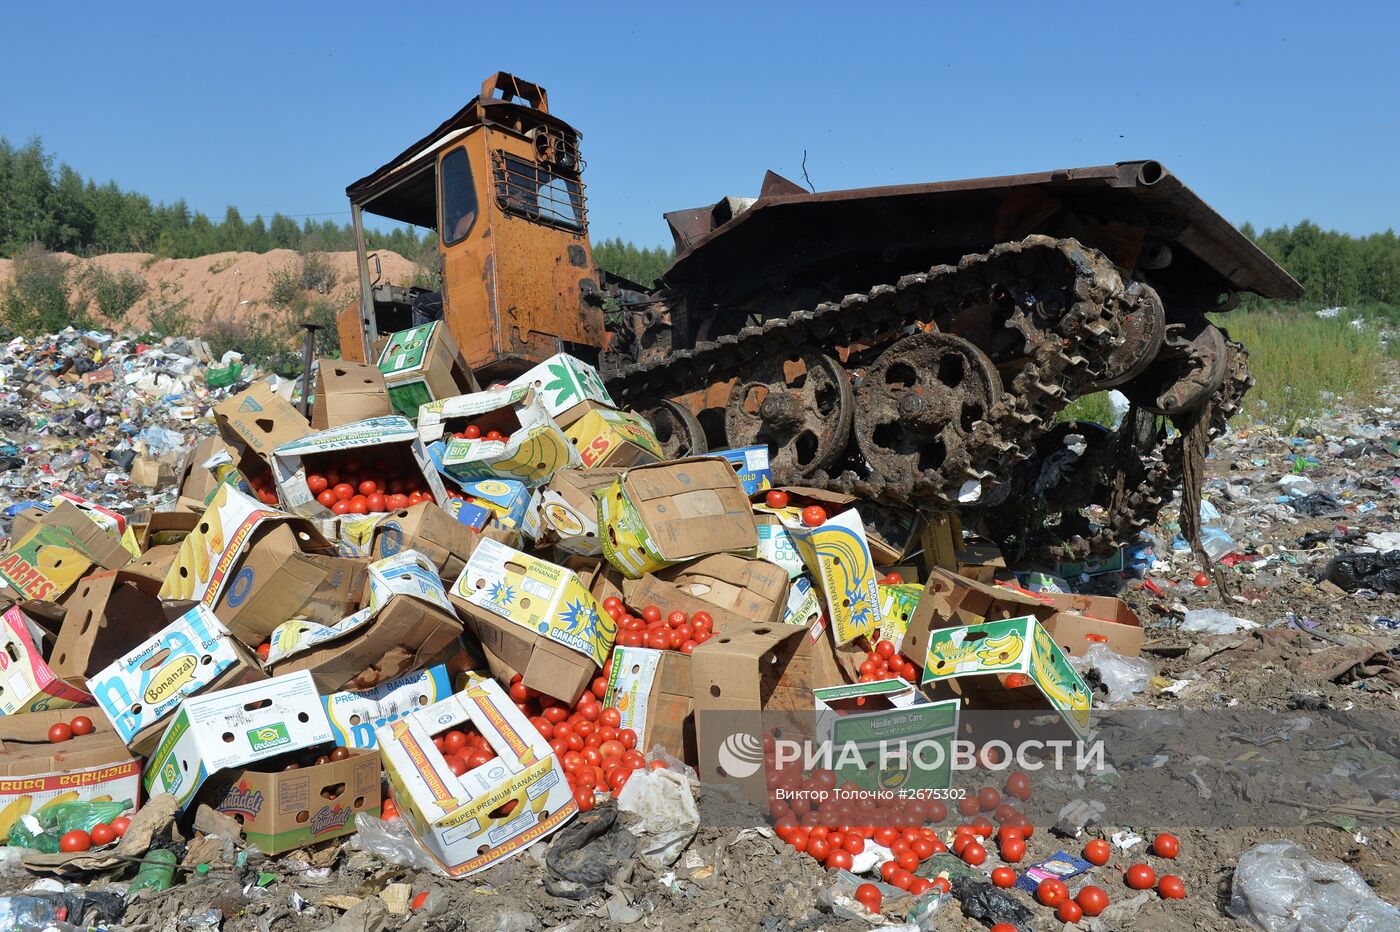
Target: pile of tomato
353, 486
473, 432
646, 628
264, 488
64, 731
883, 662
103, 833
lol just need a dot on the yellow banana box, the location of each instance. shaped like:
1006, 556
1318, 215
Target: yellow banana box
529, 446
838, 555
498, 809
36, 774
1007, 656
609, 437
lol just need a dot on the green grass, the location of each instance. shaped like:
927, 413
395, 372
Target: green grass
1088, 408
1302, 364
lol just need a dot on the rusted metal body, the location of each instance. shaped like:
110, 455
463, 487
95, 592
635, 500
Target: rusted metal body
501, 180
913, 344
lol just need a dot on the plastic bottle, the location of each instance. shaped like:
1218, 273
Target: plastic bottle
20, 912
200, 875
157, 871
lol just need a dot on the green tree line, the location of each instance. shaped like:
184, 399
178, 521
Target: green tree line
1335, 268
56, 207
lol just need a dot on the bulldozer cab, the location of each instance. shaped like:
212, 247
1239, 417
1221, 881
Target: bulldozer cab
501, 183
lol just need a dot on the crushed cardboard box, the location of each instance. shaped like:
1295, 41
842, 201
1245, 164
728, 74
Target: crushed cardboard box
422, 364
356, 714
347, 392
565, 385
609, 437
532, 449
27, 684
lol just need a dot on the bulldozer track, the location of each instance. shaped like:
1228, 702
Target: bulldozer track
1067, 300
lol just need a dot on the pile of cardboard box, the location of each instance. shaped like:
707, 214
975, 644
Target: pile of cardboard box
286, 662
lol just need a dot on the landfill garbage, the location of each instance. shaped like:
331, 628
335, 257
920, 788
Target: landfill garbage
1214, 621
666, 817
1379, 572
1123, 677
1280, 887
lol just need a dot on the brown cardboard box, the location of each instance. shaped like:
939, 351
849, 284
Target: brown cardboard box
271, 581
980, 560
404, 635
26, 520
434, 533
285, 809
167, 527
151, 473
347, 392
652, 688
733, 589
35, 772
1071, 618
417, 374
675, 511
341, 592
752, 668
56, 551
258, 421
564, 512
107, 613
546, 665
196, 482
155, 563
950, 600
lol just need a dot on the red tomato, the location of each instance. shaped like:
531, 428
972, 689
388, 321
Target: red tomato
1092, 900
1140, 876
103, 834
1004, 877
472, 432
1052, 892
891, 579
1003, 927
839, 859
341, 506
1017, 680
317, 484
974, 854
922, 847
677, 618
494, 435
854, 843
652, 614
901, 878
1019, 786
375, 502
389, 810
969, 806
76, 840
887, 869
120, 824
941, 884
1013, 849
418, 901
988, 798
327, 498
818, 848
1201, 579
59, 732
701, 620
81, 725
610, 717
454, 740
1164, 846
920, 886
395, 502
1171, 887
908, 860
867, 894
936, 811
814, 516
776, 498
1097, 852
1069, 911
344, 491
885, 836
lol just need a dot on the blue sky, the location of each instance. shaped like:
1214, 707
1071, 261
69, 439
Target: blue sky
1272, 111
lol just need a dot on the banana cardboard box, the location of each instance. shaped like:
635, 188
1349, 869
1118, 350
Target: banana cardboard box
733, 589
140, 690
565, 386
665, 513
804, 606
280, 810
651, 691
347, 392
491, 812
898, 604
429, 530
532, 448
535, 618
837, 554
894, 730
407, 622
564, 512
36, 774
423, 363
27, 684
608, 437
254, 423
355, 714
59, 550
248, 563
1010, 664
233, 728
391, 438
752, 466
949, 599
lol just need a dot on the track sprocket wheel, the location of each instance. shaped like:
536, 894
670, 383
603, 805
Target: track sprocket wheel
1191, 367
799, 404
679, 433
917, 408
1142, 330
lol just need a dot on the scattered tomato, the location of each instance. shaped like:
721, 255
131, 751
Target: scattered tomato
1092, 900
1069, 911
974, 854
1201, 579
867, 894
81, 725
103, 834
920, 886
1004, 877
1019, 786
1052, 891
418, 901
1013, 849
1097, 852
1140, 877
1171, 887
814, 516
1164, 846
76, 840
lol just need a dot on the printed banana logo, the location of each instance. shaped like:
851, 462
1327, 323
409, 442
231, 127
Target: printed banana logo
1002, 650
69, 796
12, 813
1074, 699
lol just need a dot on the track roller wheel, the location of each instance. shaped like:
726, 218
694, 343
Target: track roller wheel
799, 405
679, 433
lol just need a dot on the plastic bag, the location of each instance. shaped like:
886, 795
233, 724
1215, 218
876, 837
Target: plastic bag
1378, 571
1214, 621
393, 841
1122, 676
667, 818
1280, 887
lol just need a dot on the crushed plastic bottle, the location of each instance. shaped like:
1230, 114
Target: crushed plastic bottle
157, 871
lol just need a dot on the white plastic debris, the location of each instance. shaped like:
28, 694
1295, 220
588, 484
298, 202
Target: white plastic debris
1214, 621
1280, 887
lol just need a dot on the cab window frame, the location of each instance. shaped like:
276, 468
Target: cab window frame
474, 205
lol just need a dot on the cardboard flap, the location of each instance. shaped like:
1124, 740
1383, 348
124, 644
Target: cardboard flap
259, 419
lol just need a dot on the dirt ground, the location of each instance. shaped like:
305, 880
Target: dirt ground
225, 286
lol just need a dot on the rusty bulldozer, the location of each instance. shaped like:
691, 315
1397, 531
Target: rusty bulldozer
912, 344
